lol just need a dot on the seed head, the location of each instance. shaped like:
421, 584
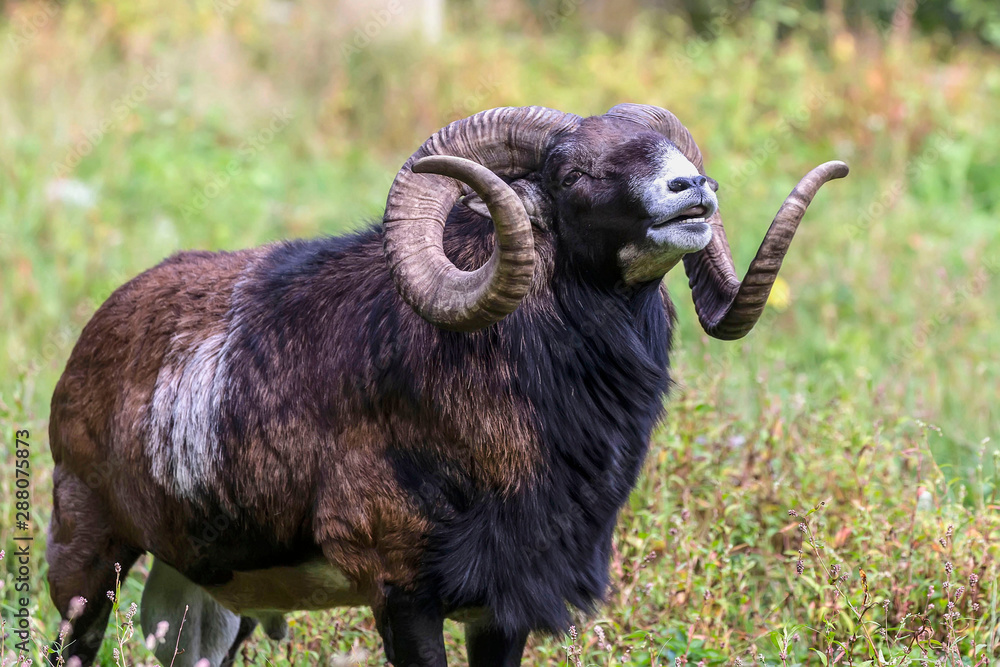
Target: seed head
76, 606
601, 644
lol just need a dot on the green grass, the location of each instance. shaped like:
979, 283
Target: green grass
866, 395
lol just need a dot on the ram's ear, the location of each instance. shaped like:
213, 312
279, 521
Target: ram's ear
536, 202
476, 203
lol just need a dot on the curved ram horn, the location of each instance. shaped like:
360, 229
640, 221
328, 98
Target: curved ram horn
728, 308
509, 141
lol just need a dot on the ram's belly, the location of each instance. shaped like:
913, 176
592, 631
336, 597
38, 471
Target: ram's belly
313, 585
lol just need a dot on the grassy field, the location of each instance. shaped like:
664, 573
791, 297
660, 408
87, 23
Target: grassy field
823, 491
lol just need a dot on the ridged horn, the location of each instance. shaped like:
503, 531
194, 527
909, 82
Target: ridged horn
728, 308
478, 151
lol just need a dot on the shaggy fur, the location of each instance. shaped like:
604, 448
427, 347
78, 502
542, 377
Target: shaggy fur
506, 504
284, 408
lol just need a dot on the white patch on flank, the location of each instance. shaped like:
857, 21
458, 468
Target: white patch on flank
184, 415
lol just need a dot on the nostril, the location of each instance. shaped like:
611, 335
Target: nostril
680, 184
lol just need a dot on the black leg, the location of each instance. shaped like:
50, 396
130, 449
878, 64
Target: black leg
247, 626
412, 629
490, 647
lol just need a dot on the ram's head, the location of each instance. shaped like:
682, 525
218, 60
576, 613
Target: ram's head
624, 195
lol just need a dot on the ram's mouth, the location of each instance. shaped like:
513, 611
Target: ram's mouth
690, 215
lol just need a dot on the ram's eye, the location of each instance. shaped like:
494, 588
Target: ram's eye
571, 178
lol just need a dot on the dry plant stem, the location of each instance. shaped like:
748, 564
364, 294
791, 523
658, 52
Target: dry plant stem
992, 647
118, 626
826, 569
951, 645
180, 629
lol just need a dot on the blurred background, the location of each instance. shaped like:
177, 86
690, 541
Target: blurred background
133, 129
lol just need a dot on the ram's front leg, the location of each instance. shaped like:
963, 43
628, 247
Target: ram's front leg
412, 629
488, 646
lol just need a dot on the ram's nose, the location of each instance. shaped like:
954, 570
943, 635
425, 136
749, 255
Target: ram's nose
686, 183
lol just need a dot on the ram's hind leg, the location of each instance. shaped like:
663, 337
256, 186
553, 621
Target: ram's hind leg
246, 628
82, 554
209, 630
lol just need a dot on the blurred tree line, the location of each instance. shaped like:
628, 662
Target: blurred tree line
957, 19
952, 20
